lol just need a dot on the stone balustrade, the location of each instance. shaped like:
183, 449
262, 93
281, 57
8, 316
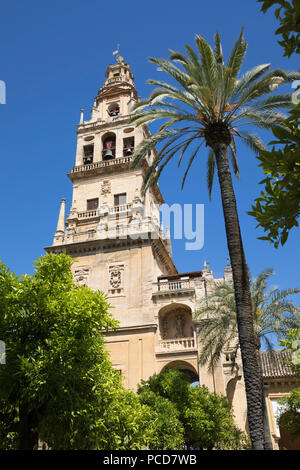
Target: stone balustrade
173, 287
88, 214
176, 344
101, 164
119, 209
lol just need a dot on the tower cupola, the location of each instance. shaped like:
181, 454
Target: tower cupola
118, 93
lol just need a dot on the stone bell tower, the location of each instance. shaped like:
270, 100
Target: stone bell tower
114, 234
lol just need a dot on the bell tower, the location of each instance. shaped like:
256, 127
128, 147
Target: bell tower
113, 232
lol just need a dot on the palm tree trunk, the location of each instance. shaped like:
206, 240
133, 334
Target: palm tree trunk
243, 300
267, 434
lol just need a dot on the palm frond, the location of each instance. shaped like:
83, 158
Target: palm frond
207, 91
253, 141
208, 61
233, 158
237, 55
192, 158
210, 171
218, 49
247, 79
274, 315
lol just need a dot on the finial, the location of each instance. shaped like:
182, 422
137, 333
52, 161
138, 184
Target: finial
119, 57
228, 263
204, 265
117, 51
81, 117
61, 218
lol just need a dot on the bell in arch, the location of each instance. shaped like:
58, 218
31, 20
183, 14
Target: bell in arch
128, 151
108, 154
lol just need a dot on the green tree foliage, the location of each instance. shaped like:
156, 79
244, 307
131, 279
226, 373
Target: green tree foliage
292, 343
277, 210
290, 413
169, 431
206, 418
58, 384
288, 14
273, 314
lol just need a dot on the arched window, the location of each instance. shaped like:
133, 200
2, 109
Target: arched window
109, 146
113, 109
128, 146
88, 151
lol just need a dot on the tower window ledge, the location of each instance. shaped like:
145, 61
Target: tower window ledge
103, 164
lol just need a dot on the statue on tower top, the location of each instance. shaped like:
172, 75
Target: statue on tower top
119, 58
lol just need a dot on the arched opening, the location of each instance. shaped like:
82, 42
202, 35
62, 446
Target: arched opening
109, 146
185, 367
88, 151
128, 146
175, 322
113, 109
230, 389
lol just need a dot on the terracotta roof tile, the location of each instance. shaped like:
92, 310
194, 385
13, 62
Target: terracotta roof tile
274, 365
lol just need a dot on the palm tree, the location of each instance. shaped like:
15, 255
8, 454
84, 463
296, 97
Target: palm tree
273, 315
216, 104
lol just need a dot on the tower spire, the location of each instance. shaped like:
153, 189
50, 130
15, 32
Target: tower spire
228, 271
60, 229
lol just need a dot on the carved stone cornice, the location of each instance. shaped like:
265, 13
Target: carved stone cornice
103, 125
116, 88
104, 245
98, 168
162, 253
124, 330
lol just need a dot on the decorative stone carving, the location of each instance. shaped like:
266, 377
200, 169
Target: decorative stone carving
81, 276
115, 279
105, 187
179, 325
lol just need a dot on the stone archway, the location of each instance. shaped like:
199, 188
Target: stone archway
230, 389
185, 367
175, 322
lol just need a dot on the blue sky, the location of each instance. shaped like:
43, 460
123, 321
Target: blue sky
53, 59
